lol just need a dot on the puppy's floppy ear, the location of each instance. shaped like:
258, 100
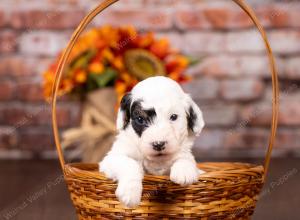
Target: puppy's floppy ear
194, 116
123, 118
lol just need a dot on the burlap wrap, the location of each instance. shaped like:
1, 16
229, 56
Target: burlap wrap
96, 133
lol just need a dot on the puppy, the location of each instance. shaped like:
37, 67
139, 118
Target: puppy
157, 124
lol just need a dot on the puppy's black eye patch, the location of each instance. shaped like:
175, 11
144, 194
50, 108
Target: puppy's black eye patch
141, 118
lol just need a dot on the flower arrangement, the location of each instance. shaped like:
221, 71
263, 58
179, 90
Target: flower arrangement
117, 57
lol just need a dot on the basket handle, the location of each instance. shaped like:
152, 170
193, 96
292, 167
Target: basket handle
107, 3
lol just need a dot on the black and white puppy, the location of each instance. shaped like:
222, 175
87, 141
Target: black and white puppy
157, 124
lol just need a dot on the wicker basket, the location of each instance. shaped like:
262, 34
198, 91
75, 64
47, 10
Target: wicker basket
225, 191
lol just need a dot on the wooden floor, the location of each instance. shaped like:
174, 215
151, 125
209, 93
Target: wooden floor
34, 190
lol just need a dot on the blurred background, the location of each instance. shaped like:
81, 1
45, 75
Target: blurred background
231, 83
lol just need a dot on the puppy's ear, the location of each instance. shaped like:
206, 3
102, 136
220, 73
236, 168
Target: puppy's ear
194, 116
123, 118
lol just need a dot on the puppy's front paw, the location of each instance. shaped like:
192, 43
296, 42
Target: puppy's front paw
184, 173
129, 193
105, 168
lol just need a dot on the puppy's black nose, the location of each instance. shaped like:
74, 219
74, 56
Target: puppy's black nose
159, 145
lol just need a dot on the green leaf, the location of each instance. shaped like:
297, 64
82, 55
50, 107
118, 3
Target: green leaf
83, 59
102, 80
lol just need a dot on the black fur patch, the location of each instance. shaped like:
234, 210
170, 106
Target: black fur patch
125, 107
191, 118
141, 118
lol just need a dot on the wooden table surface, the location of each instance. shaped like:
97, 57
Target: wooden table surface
34, 190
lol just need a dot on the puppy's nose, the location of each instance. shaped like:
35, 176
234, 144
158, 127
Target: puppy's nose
159, 145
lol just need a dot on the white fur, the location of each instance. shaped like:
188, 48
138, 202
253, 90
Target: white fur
132, 155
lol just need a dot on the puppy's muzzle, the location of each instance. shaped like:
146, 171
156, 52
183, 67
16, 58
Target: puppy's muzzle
159, 145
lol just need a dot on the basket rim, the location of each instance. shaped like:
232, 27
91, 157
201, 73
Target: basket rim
224, 170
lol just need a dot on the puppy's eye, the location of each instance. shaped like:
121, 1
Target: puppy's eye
140, 120
173, 117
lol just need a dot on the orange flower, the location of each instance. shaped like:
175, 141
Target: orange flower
129, 30
118, 63
126, 77
160, 48
48, 76
108, 45
80, 76
96, 67
177, 63
174, 75
182, 61
110, 35
84, 43
66, 86
120, 87
107, 55
144, 41
47, 90
48, 83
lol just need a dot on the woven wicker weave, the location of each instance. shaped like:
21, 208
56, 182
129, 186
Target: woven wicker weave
225, 191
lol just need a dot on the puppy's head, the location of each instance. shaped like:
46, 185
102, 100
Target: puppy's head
161, 116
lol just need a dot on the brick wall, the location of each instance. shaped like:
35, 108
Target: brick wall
232, 83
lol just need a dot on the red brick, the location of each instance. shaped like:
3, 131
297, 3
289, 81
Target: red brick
20, 66
191, 19
292, 70
132, 3
203, 42
227, 18
210, 139
202, 89
18, 115
69, 2
293, 12
260, 114
2, 18
8, 137
43, 43
247, 138
36, 139
7, 90
273, 16
8, 41
148, 18
244, 42
259, 138
289, 113
219, 115
285, 42
224, 16
287, 138
165, 3
242, 89
235, 66
256, 114
64, 116
279, 15
30, 91
21, 116
46, 19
